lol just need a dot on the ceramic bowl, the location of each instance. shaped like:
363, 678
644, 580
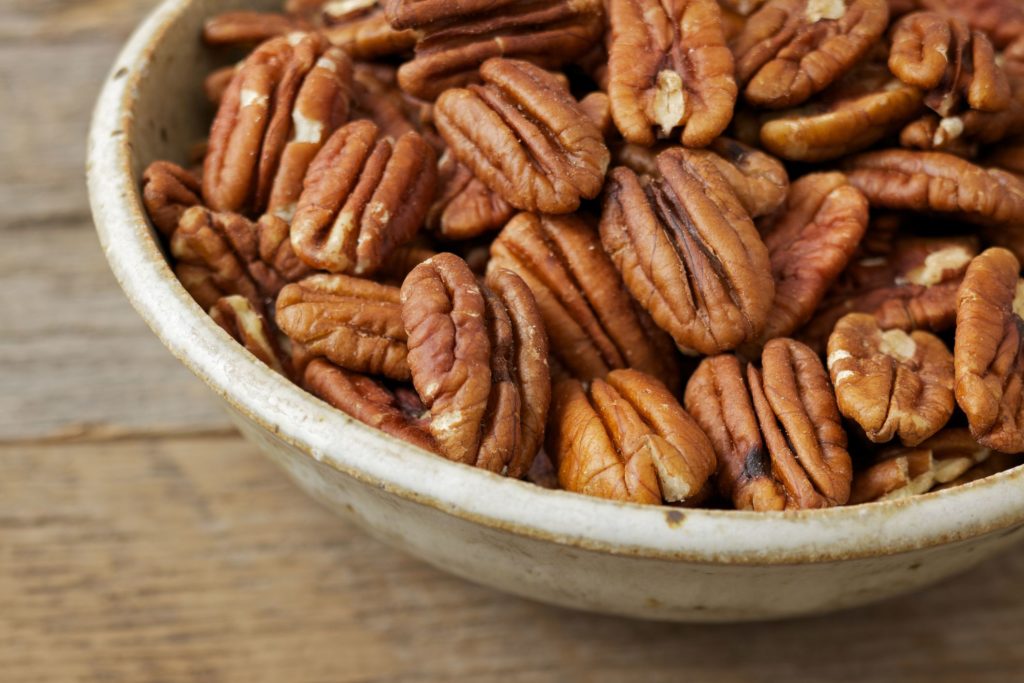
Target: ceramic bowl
552, 546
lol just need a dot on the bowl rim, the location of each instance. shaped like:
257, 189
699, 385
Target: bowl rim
988, 506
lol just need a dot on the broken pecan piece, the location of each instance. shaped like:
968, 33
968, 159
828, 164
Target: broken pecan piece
364, 195
799, 419
167, 191
889, 382
718, 399
249, 327
809, 245
525, 136
688, 252
669, 68
901, 472
593, 323
989, 350
398, 413
791, 49
627, 438
465, 207
479, 362
351, 322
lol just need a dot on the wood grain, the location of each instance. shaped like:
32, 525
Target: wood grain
142, 541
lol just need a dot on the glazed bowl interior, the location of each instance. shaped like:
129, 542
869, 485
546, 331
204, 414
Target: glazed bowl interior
152, 107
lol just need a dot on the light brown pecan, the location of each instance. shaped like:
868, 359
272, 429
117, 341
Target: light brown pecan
525, 136
989, 350
719, 400
956, 66
249, 327
167, 191
627, 438
398, 413
282, 104
744, 8
598, 109
889, 382
994, 464
478, 358
364, 195
244, 28
688, 252
901, 472
797, 412
354, 323
548, 33
592, 322
362, 29
669, 68
792, 49
810, 244
465, 207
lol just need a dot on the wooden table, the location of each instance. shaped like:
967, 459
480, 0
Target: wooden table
142, 540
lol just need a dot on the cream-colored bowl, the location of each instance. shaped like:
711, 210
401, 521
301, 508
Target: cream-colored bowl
553, 546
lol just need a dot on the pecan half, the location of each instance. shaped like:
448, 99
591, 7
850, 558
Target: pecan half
889, 382
465, 207
354, 323
420, 13
363, 196
450, 50
669, 67
797, 412
167, 191
1001, 20
362, 29
479, 362
525, 136
627, 438
719, 400
593, 324
398, 413
688, 252
243, 28
955, 65
901, 472
989, 350
792, 49
248, 326
809, 245
281, 105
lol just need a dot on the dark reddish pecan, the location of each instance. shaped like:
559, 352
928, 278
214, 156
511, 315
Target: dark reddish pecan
167, 191
354, 323
479, 361
688, 252
249, 28
525, 136
989, 350
955, 65
465, 206
397, 413
548, 33
669, 68
593, 323
718, 398
799, 419
627, 438
249, 327
901, 472
364, 196
809, 246
889, 382
792, 49
283, 102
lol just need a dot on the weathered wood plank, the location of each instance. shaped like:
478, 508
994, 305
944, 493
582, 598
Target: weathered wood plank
193, 559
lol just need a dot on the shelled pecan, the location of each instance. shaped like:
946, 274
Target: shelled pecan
363, 30
249, 327
465, 206
168, 190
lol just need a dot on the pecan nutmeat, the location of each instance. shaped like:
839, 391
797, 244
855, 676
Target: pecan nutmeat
889, 382
525, 137
363, 31
989, 350
241, 28
249, 327
627, 438
465, 207
688, 252
168, 190
669, 67
363, 196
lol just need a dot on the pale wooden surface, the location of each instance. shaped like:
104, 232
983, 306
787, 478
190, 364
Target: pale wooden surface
141, 540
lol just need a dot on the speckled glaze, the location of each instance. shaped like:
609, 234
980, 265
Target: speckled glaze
552, 546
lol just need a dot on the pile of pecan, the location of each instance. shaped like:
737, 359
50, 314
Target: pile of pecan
754, 254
